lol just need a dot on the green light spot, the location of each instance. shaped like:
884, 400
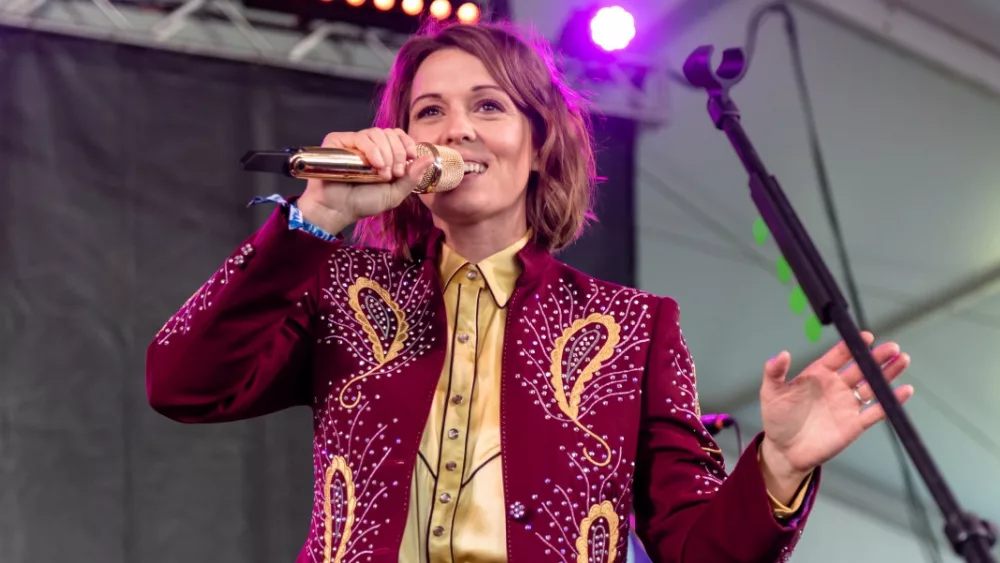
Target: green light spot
797, 301
784, 270
760, 232
814, 330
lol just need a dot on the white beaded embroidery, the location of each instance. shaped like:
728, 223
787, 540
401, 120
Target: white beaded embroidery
563, 510
367, 450
204, 298
360, 434
407, 289
618, 377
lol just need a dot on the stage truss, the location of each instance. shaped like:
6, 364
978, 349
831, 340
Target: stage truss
226, 29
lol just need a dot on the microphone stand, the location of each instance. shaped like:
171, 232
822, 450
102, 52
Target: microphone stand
970, 537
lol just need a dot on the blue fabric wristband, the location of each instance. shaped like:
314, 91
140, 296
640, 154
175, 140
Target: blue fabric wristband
295, 219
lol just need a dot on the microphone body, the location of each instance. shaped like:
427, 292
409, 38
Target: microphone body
714, 423
351, 167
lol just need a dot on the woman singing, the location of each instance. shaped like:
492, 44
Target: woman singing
474, 399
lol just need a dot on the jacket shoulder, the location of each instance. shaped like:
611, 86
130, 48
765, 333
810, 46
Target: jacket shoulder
372, 258
565, 274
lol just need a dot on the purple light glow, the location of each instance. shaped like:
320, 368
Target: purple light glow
612, 28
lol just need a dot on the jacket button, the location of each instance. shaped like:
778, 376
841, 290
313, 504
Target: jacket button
243, 258
517, 511
239, 261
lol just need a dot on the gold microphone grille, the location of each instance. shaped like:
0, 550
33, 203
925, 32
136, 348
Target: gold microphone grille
446, 172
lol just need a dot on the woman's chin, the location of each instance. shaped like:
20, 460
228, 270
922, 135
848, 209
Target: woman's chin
463, 204
475, 200
457, 214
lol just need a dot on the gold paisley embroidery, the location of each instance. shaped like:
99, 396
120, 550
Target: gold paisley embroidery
388, 307
605, 511
338, 465
571, 406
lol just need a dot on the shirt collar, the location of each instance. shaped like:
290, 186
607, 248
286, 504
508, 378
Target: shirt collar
500, 271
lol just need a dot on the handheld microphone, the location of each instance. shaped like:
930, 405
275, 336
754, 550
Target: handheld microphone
714, 423
351, 167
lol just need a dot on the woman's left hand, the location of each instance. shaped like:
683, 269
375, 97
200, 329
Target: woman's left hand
815, 416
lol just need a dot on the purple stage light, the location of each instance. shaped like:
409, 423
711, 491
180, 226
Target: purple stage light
612, 28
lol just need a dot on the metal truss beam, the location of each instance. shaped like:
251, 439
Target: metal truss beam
215, 28
227, 29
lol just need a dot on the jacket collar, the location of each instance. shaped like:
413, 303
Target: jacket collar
499, 271
534, 258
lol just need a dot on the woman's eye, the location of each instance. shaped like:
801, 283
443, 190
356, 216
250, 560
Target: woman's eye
427, 111
490, 105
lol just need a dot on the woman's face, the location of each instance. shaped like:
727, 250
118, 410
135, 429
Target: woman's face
456, 103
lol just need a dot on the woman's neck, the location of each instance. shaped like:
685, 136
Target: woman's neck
477, 241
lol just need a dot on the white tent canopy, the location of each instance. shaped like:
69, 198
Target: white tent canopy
909, 123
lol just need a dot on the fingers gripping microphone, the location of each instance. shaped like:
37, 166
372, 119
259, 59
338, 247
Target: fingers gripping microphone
351, 167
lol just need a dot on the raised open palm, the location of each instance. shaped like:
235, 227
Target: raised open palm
813, 417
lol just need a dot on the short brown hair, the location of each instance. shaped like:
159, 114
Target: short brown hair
561, 195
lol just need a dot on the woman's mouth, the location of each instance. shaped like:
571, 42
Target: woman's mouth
474, 168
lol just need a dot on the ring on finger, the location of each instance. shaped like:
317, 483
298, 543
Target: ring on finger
857, 395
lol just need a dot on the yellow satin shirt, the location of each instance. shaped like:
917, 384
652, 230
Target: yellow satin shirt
456, 499
456, 512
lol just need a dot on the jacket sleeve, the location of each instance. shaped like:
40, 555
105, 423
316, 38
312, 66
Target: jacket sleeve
239, 347
687, 509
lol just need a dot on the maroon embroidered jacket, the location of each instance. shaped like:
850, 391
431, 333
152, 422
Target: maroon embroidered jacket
598, 402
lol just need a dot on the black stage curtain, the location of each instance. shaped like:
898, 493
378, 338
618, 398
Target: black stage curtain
121, 194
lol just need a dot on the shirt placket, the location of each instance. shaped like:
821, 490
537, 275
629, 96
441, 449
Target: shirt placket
457, 412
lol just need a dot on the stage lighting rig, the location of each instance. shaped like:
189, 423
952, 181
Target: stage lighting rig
402, 16
601, 55
597, 31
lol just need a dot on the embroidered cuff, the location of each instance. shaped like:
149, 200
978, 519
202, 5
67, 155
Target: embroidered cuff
295, 219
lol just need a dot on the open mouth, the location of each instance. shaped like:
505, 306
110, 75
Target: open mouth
474, 168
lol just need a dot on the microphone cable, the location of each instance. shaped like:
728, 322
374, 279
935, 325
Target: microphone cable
739, 435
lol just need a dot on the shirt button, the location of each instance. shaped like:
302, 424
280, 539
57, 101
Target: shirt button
451, 466
453, 433
439, 531
457, 399
445, 498
463, 337
471, 274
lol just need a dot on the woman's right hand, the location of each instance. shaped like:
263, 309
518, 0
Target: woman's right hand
333, 206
